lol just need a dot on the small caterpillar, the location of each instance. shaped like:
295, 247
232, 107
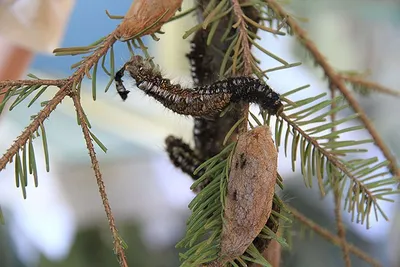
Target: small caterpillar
200, 62
201, 101
185, 158
205, 135
182, 156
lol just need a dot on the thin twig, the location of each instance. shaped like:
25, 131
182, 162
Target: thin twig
369, 84
246, 52
118, 248
243, 37
34, 125
340, 226
335, 81
331, 237
10, 83
76, 78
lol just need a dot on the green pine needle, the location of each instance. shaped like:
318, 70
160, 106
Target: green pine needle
98, 142
45, 147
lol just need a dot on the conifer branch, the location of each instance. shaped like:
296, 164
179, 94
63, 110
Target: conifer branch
243, 38
330, 156
118, 246
67, 86
326, 160
331, 237
360, 82
335, 81
9, 83
34, 125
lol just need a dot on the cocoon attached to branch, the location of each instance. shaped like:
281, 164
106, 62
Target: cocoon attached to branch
251, 188
146, 17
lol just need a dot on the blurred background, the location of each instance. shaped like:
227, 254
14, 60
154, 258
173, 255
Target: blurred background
62, 222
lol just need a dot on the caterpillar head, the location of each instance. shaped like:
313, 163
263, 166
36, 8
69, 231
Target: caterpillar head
272, 104
140, 69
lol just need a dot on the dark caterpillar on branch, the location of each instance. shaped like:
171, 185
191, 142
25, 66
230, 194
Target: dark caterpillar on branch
185, 158
200, 63
201, 101
182, 156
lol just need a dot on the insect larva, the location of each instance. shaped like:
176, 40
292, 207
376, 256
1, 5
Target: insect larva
204, 101
183, 156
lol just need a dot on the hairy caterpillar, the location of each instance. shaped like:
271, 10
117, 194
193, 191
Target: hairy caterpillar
200, 62
200, 101
183, 156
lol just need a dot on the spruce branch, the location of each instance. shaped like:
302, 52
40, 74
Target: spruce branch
313, 154
243, 38
34, 125
331, 237
333, 106
323, 155
11, 83
118, 244
65, 88
331, 157
335, 81
364, 86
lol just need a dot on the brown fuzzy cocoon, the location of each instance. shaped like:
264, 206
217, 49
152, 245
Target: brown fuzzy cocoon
143, 14
250, 194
